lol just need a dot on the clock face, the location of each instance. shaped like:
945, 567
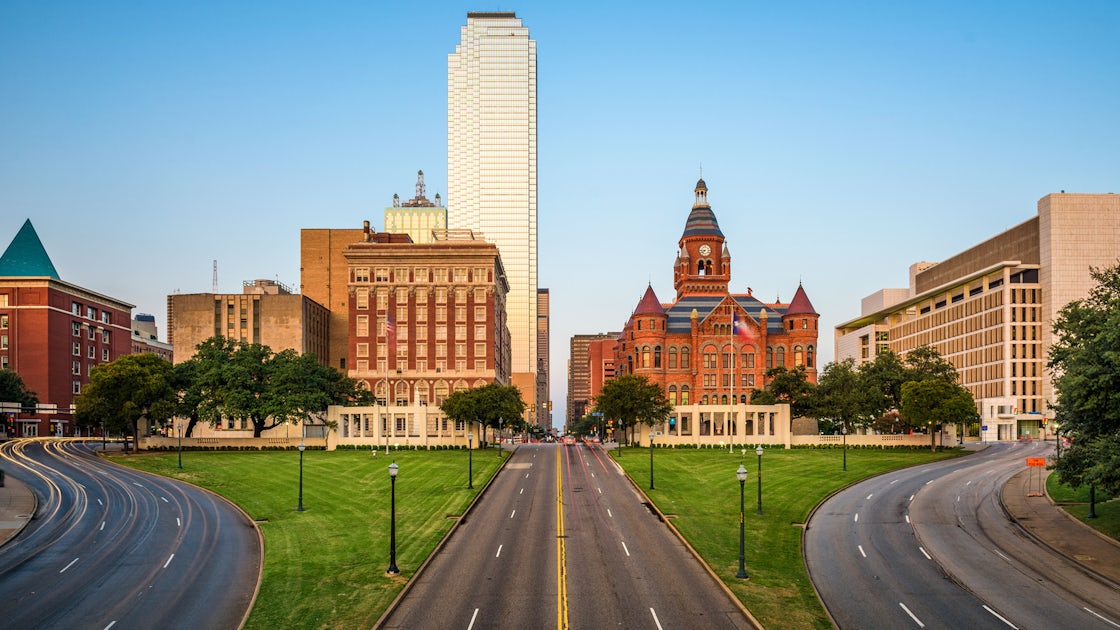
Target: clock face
705, 250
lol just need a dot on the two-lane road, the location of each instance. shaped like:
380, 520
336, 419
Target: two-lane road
113, 547
561, 539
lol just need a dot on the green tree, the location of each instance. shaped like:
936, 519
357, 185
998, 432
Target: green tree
629, 399
924, 363
492, 405
13, 389
1085, 359
841, 395
786, 386
132, 388
935, 402
884, 376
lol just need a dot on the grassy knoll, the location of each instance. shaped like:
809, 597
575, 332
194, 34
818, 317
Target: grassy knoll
700, 488
325, 567
1108, 511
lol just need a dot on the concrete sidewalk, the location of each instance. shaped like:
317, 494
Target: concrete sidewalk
17, 506
1055, 528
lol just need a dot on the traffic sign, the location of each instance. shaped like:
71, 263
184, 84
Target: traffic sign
1038, 462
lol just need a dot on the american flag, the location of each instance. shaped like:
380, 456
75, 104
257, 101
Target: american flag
390, 327
741, 329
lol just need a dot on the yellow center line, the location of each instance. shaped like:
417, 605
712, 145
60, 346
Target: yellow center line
561, 569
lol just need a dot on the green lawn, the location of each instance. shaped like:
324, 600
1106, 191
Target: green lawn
699, 487
325, 567
1108, 511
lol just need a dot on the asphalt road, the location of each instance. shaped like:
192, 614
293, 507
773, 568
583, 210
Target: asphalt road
930, 546
562, 540
114, 548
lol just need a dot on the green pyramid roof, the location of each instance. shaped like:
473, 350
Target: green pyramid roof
25, 256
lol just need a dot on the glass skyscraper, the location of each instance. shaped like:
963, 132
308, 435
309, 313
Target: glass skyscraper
492, 165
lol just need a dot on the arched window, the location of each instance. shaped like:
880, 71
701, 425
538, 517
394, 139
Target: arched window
629, 364
723, 399
657, 356
700, 268
781, 360
441, 392
704, 399
645, 356
422, 391
684, 394
809, 357
685, 354
461, 386
769, 357
380, 392
743, 399
798, 356
672, 357
400, 395
673, 395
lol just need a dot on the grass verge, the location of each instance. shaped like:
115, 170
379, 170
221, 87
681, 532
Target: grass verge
325, 567
1076, 502
699, 490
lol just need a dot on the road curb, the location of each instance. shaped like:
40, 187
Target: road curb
711, 573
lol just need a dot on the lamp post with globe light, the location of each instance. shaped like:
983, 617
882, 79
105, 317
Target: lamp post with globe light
393, 570
741, 474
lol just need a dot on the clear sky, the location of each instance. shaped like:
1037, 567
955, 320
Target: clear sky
840, 141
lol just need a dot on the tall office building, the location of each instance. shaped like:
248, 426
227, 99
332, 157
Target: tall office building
418, 217
492, 166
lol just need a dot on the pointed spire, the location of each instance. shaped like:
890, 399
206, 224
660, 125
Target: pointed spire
800, 304
649, 305
26, 256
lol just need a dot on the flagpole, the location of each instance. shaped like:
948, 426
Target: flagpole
387, 377
731, 411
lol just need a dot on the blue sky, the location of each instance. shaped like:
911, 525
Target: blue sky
841, 142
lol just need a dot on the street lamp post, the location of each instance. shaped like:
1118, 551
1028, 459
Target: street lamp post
651, 434
470, 461
742, 475
301, 448
1092, 501
758, 451
500, 421
393, 570
844, 432
180, 446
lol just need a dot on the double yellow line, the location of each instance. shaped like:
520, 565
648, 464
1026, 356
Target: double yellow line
561, 568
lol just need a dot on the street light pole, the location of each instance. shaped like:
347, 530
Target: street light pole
758, 451
500, 422
651, 434
1092, 501
301, 448
393, 570
844, 432
470, 461
742, 475
180, 446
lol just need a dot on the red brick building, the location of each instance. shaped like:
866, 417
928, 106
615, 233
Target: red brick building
53, 333
709, 346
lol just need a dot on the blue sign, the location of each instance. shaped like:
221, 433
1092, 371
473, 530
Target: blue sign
984, 428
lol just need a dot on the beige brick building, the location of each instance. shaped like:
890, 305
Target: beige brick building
990, 309
266, 312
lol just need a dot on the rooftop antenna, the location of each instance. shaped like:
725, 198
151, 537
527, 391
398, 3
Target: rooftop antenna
214, 283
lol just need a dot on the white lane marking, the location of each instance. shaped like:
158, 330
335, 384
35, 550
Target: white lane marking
930, 481
911, 497
922, 549
512, 513
1001, 555
861, 551
958, 498
1000, 617
475, 615
869, 496
136, 484
526, 475
856, 518
912, 616
168, 560
894, 482
165, 500
111, 624
69, 565
102, 526
499, 554
99, 502
592, 474
907, 518
178, 523
969, 483
600, 490
1104, 619
522, 491
625, 549
655, 620
609, 513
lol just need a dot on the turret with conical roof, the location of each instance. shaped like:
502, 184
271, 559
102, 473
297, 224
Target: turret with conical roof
701, 267
26, 256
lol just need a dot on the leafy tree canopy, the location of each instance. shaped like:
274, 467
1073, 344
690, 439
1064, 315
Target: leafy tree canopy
13, 389
131, 388
934, 402
629, 399
786, 386
1085, 358
842, 395
491, 405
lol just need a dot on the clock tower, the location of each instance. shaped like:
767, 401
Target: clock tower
703, 263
